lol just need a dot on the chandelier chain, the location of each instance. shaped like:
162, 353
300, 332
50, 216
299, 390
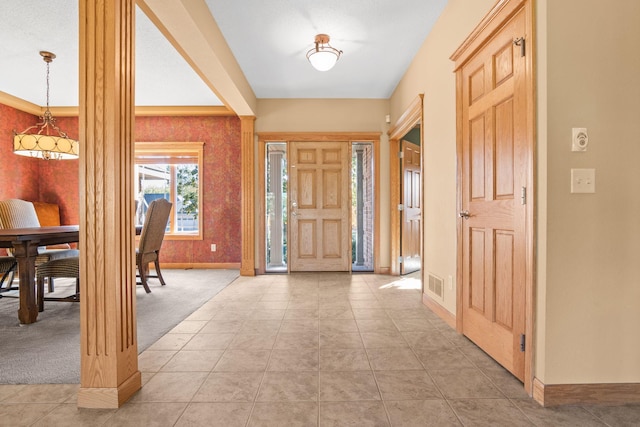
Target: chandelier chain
47, 84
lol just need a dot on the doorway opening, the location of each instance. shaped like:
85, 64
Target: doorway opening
405, 140
362, 203
410, 258
362, 207
319, 202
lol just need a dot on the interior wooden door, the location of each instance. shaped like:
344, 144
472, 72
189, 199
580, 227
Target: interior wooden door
319, 206
495, 149
411, 213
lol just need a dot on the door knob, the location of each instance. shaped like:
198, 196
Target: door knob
464, 214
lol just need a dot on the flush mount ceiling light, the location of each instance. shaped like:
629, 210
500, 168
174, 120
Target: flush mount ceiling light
40, 140
323, 57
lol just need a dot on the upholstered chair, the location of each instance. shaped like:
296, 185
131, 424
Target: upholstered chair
16, 213
155, 224
58, 268
8, 266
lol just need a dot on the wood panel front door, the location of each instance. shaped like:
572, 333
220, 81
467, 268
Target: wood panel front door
319, 206
495, 153
411, 208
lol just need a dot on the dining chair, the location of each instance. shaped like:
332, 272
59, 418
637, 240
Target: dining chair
151, 237
17, 213
59, 268
8, 265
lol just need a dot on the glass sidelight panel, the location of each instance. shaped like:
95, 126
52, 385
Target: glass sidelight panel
362, 206
276, 207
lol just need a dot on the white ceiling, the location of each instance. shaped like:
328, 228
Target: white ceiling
269, 40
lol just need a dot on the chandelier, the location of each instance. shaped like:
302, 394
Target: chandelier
323, 57
45, 140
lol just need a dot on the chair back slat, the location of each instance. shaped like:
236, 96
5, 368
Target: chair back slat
16, 213
155, 224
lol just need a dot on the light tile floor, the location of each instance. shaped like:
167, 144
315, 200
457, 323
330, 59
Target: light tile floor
307, 350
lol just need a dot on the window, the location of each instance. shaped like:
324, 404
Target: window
171, 170
276, 206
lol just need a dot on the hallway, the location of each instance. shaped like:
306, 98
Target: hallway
312, 349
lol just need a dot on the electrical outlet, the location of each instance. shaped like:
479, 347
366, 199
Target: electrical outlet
450, 282
213, 247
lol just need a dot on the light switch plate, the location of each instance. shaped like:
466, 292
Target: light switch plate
583, 180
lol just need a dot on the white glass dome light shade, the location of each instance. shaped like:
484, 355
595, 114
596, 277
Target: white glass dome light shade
323, 57
323, 60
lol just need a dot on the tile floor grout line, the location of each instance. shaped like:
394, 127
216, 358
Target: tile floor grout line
444, 397
264, 374
318, 393
521, 410
373, 374
185, 408
596, 416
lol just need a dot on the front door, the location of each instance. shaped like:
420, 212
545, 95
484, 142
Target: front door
319, 206
411, 213
495, 150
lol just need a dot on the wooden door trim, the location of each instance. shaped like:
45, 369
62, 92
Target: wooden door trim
409, 118
261, 236
407, 121
287, 137
318, 136
499, 15
247, 196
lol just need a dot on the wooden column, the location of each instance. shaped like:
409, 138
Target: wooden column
247, 266
109, 350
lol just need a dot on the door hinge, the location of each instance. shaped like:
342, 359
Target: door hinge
522, 342
400, 259
523, 196
521, 42
401, 155
400, 207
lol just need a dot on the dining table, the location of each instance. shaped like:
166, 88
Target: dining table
25, 242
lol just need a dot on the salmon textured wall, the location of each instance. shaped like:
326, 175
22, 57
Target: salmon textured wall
59, 178
221, 180
19, 176
58, 181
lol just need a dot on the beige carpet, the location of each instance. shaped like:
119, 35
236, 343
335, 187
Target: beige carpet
48, 351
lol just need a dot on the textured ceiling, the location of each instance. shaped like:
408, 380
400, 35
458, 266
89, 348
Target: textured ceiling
269, 40
379, 39
163, 77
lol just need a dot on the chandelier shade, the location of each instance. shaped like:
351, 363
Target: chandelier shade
323, 56
45, 140
46, 147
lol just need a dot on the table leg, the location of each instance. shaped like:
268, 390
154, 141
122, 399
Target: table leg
25, 254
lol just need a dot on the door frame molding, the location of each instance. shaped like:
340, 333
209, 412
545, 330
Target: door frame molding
499, 15
287, 137
407, 121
